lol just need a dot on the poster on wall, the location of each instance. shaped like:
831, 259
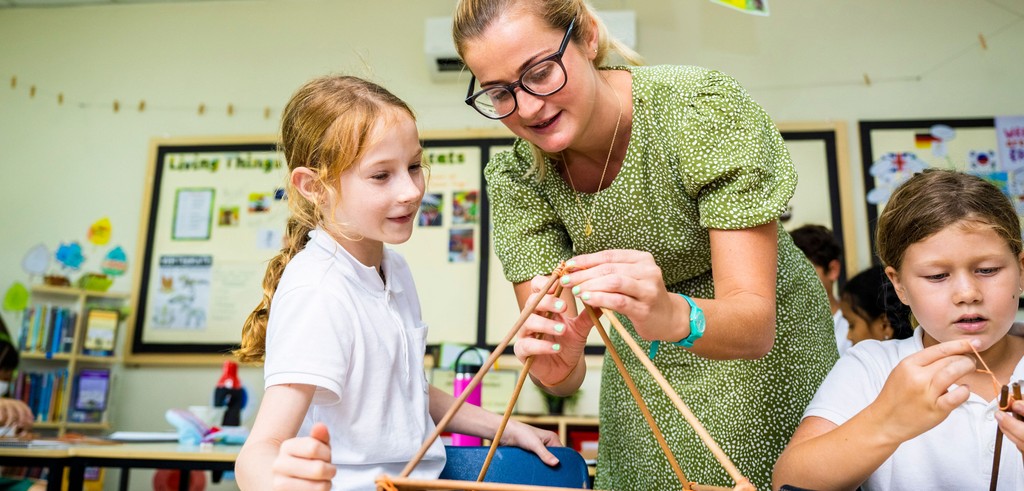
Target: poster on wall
213, 218
754, 7
989, 148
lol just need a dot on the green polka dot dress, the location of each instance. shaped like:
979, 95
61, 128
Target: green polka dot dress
702, 155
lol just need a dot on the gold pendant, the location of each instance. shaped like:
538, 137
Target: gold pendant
589, 230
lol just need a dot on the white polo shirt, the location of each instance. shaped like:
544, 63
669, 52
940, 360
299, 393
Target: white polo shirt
955, 455
360, 340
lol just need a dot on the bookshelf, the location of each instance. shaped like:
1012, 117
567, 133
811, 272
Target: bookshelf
66, 385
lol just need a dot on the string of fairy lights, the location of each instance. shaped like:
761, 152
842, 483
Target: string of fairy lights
980, 44
201, 109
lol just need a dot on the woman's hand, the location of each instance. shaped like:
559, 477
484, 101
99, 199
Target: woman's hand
554, 334
915, 397
531, 438
305, 462
630, 283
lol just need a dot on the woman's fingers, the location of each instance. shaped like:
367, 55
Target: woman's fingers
610, 256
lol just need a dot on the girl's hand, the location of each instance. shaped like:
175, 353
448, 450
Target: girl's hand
16, 414
531, 438
630, 283
915, 397
305, 462
554, 332
1012, 427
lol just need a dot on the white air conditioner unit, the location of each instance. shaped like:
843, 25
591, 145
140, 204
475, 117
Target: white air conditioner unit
444, 64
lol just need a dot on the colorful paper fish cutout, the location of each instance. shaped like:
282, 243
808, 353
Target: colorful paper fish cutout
70, 255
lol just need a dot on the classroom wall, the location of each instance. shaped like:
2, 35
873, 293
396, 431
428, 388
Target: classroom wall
64, 166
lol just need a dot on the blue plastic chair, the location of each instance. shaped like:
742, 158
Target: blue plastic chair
513, 465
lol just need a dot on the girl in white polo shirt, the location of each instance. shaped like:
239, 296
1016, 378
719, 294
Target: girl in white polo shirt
339, 327
918, 413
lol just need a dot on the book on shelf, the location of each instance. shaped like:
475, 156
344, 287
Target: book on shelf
43, 392
46, 328
100, 332
92, 385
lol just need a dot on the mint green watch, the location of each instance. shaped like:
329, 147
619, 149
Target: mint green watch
697, 325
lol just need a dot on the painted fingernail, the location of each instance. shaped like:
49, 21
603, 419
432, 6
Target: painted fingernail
565, 280
570, 263
559, 305
556, 347
559, 327
576, 290
585, 296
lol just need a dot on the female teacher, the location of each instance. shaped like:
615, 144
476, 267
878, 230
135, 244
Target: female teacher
662, 187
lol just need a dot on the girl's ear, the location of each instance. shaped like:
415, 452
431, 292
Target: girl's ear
894, 277
887, 331
1020, 281
304, 180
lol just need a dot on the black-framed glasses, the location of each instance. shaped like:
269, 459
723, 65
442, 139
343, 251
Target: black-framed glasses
543, 78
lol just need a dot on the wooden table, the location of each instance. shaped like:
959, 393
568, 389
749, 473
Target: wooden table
125, 456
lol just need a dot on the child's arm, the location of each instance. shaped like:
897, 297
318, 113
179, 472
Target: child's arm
1012, 427
476, 421
914, 399
273, 457
15, 414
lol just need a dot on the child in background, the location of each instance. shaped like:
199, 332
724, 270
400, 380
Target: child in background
339, 326
823, 250
917, 413
15, 416
872, 309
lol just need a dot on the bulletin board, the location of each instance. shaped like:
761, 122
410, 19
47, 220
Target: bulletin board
213, 215
823, 195
892, 151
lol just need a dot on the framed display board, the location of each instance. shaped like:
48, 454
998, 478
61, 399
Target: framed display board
892, 151
823, 194
213, 215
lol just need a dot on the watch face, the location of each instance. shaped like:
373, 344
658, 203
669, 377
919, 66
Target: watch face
697, 320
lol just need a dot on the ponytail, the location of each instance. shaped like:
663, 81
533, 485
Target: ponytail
254, 331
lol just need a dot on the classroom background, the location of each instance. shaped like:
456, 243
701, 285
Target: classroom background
66, 164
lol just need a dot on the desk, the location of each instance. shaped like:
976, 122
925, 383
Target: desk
125, 456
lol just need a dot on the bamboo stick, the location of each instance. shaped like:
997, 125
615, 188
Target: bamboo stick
527, 311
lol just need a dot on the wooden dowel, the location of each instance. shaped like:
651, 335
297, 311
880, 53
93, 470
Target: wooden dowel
385, 483
717, 451
1004, 395
628, 379
511, 404
1016, 397
527, 311
406, 484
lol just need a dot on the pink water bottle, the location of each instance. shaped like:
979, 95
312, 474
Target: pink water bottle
464, 374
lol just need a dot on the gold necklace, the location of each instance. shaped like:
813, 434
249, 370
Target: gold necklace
589, 229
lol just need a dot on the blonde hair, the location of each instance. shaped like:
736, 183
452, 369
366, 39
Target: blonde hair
326, 127
473, 17
935, 199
